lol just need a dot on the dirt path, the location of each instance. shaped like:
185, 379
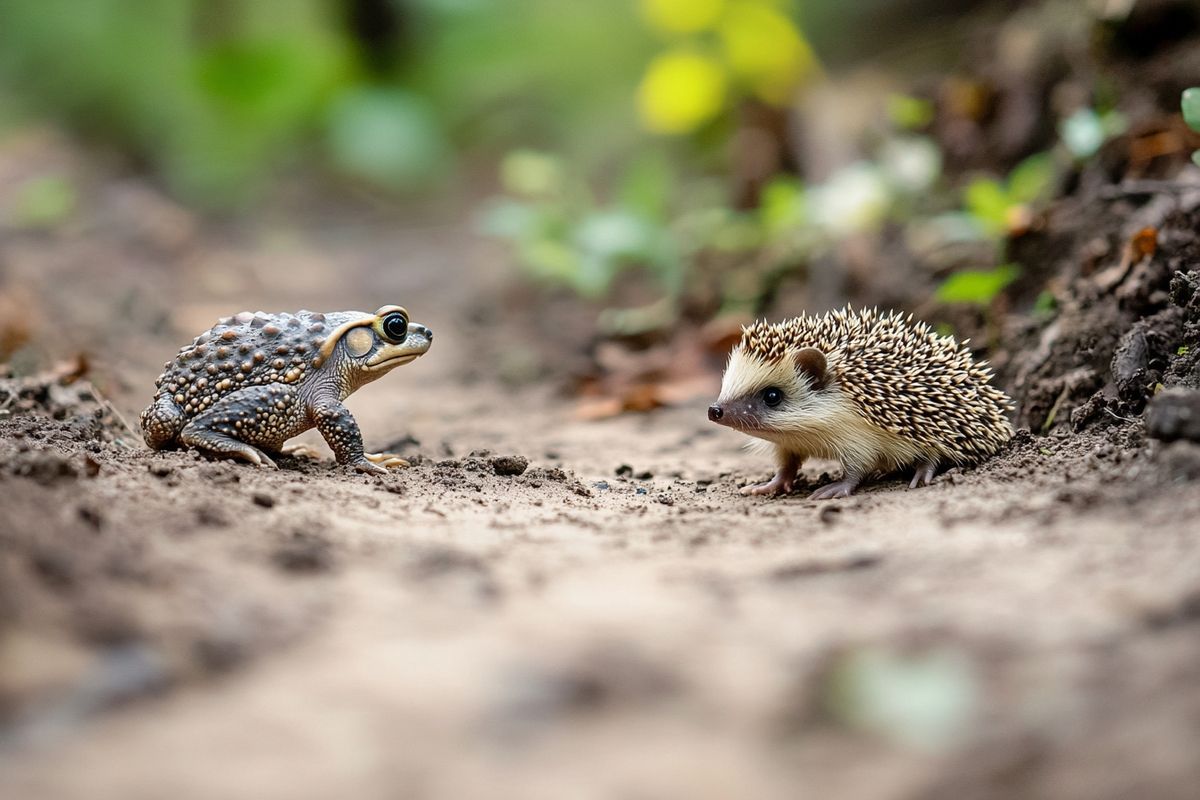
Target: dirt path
613, 620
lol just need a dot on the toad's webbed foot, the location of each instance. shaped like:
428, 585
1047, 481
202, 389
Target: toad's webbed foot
386, 460
301, 451
221, 444
337, 425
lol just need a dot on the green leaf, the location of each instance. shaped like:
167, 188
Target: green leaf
1030, 179
44, 202
988, 203
1045, 303
1191, 108
977, 287
529, 173
647, 186
921, 700
510, 219
782, 204
1083, 133
908, 112
386, 136
1196, 158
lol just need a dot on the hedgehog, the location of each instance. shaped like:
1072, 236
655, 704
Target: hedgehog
877, 392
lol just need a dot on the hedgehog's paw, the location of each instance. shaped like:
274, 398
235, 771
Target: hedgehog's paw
780, 484
923, 476
832, 491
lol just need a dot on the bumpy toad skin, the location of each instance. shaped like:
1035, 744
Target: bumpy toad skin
255, 380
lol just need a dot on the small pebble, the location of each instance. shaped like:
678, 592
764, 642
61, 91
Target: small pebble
263, 499
510, 465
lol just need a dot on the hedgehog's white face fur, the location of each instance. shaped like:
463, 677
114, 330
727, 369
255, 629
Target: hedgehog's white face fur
765, 397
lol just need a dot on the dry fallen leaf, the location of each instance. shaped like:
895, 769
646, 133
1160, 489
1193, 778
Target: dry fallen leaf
673, 372
1141, 246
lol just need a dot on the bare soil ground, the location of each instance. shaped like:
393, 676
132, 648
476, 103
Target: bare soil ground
542, 606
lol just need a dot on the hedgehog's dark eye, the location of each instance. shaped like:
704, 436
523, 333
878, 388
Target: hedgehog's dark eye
395, 327
772, 396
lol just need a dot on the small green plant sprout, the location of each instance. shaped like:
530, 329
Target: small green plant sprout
977, 287
999, 208
44, 202
909, 113
561, 235
1084, 132
1191, 114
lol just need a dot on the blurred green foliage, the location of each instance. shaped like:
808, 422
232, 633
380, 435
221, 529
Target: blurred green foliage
1190, 104
1086, 130
208, 92
994, 204
922, 700
44, 202
977, 286
563, 235
613, 125
219, 95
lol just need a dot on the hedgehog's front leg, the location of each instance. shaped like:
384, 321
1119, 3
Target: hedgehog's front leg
844, 488
784, 479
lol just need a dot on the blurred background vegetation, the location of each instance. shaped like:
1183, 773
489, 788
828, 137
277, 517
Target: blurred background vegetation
709, 149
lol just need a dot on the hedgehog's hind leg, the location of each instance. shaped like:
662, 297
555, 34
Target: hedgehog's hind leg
923, 474
162, 422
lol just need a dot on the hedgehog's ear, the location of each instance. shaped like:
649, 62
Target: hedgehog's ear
811, 362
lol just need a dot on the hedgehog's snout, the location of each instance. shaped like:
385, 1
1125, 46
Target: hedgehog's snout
715, 412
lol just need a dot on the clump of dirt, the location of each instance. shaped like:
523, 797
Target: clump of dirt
1126, 324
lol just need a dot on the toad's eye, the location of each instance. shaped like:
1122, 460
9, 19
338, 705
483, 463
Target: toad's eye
772, 396
395, 327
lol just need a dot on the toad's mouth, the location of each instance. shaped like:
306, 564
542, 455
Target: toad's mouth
398, 361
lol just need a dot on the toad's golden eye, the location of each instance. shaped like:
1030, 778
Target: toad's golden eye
395, 327
359, 341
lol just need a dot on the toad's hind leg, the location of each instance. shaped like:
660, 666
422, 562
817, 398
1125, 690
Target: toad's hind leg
162, 421
249, 423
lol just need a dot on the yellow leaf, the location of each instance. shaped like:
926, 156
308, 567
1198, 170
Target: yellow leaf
681, 16
764, 48
680, 91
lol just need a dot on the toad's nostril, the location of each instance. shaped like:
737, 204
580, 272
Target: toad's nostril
715, 413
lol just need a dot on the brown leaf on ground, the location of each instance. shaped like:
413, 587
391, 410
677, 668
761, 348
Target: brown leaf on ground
69, 370
1141, 246
674, 372
18, 320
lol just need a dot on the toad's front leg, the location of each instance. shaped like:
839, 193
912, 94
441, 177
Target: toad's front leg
337, 425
